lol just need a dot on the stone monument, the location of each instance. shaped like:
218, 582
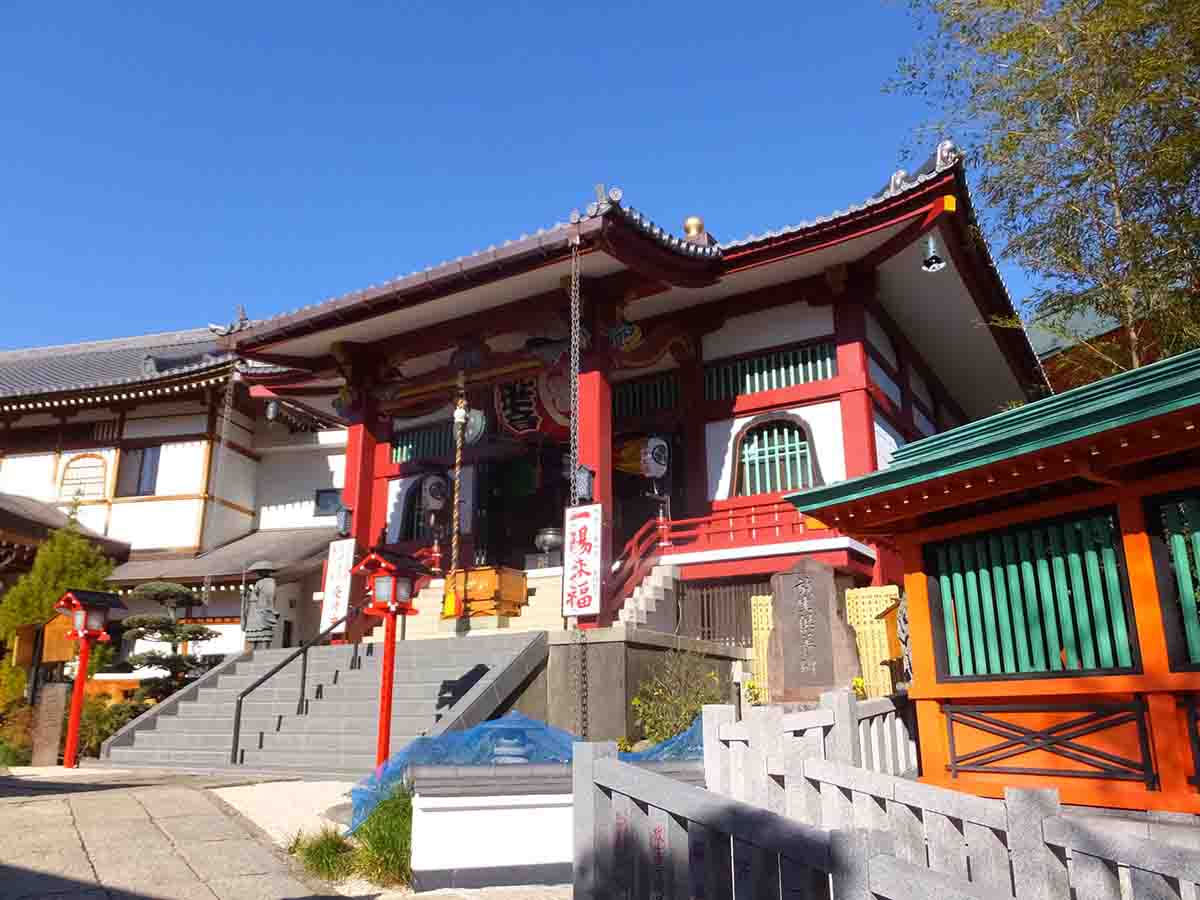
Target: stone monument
812, 647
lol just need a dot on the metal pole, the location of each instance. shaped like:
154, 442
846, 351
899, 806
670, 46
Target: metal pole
382, 749
71, 753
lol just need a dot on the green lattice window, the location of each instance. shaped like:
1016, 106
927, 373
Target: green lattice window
769, 371
427, 442
1043, 598
1178, 525
645, 396
773, 456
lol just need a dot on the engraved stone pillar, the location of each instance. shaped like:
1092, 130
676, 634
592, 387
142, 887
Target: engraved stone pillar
812, 647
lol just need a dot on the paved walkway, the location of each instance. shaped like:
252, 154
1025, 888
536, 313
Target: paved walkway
107, 836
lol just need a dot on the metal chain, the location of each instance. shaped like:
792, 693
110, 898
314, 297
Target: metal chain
579, 637
215, 477
573, 371
460, 421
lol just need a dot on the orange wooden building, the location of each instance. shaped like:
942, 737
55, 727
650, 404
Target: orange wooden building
1052, 574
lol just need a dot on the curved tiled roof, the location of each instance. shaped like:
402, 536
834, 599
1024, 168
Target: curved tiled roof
95, 364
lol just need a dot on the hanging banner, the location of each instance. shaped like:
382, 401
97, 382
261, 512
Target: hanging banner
336, 602
535, 404
582, 560
649, 456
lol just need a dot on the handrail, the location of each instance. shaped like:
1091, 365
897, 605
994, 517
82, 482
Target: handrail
302, 652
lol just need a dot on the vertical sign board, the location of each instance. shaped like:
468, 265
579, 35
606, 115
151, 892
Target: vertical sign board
336, 602
582, 560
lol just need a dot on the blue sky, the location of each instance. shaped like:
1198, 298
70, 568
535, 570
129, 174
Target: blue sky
164, 162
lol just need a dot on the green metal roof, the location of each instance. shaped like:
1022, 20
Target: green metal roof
1163, 387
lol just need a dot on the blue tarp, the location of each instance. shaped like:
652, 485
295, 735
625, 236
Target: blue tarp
511, 739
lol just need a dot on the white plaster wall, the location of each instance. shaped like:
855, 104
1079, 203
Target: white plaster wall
887, 440
463, 832
878, 338
236, 477
94, 517
223, 525
824, 421
29, 475
769, 328
288, 482
162, 425
156, 524
181, 468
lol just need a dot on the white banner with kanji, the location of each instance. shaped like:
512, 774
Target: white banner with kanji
336, 602
582, 560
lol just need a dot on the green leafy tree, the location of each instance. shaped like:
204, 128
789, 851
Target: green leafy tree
181, 668
66, 560
1082, 121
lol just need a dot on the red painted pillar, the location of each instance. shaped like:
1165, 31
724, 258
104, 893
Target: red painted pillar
386, 678
362, 445
71, 751
858, 417
595, 447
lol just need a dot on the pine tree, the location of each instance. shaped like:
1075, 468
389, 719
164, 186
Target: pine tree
66, 560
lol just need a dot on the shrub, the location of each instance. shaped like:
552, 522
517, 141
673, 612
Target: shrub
325, 854
669, 700
380, 851
383, 851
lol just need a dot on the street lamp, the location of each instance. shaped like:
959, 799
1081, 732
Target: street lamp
88, 611
391, 578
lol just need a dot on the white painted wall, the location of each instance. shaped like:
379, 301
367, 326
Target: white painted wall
29, 475
824, 421
223, 525
886, 382
236, 479
491, 832
288, 482
770, 328
156, 524
878, 338
181, 468
160, 424
887, 440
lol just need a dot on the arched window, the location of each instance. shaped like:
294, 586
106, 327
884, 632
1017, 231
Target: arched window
83, 478
773, 456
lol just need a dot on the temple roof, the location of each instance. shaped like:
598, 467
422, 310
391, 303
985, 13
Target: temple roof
972, 453
96, 364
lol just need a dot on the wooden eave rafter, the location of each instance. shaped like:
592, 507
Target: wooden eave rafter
1097, 459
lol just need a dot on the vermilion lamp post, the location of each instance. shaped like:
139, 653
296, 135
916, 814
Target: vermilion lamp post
89, 611
390, 579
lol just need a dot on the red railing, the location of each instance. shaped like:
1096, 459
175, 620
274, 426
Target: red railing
762, 523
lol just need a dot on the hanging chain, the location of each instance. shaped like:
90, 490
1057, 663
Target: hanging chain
215, 477
579, 636
460, 421
573, 371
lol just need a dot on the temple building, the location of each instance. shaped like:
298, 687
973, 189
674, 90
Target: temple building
715, 377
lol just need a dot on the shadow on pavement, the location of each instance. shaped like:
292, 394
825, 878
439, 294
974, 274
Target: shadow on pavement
11, 786
17, 883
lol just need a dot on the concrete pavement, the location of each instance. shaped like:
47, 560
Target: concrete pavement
105, 837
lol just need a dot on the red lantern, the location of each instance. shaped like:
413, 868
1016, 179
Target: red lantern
89, 612
391, 580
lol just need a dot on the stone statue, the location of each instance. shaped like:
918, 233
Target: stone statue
259, 616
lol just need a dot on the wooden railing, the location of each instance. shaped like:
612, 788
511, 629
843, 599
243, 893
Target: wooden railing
773, 522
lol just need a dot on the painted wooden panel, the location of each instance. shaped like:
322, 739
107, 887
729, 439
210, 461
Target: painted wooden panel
1042, 598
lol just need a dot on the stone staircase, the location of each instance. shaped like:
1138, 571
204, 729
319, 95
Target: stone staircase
440, 685
654, 601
